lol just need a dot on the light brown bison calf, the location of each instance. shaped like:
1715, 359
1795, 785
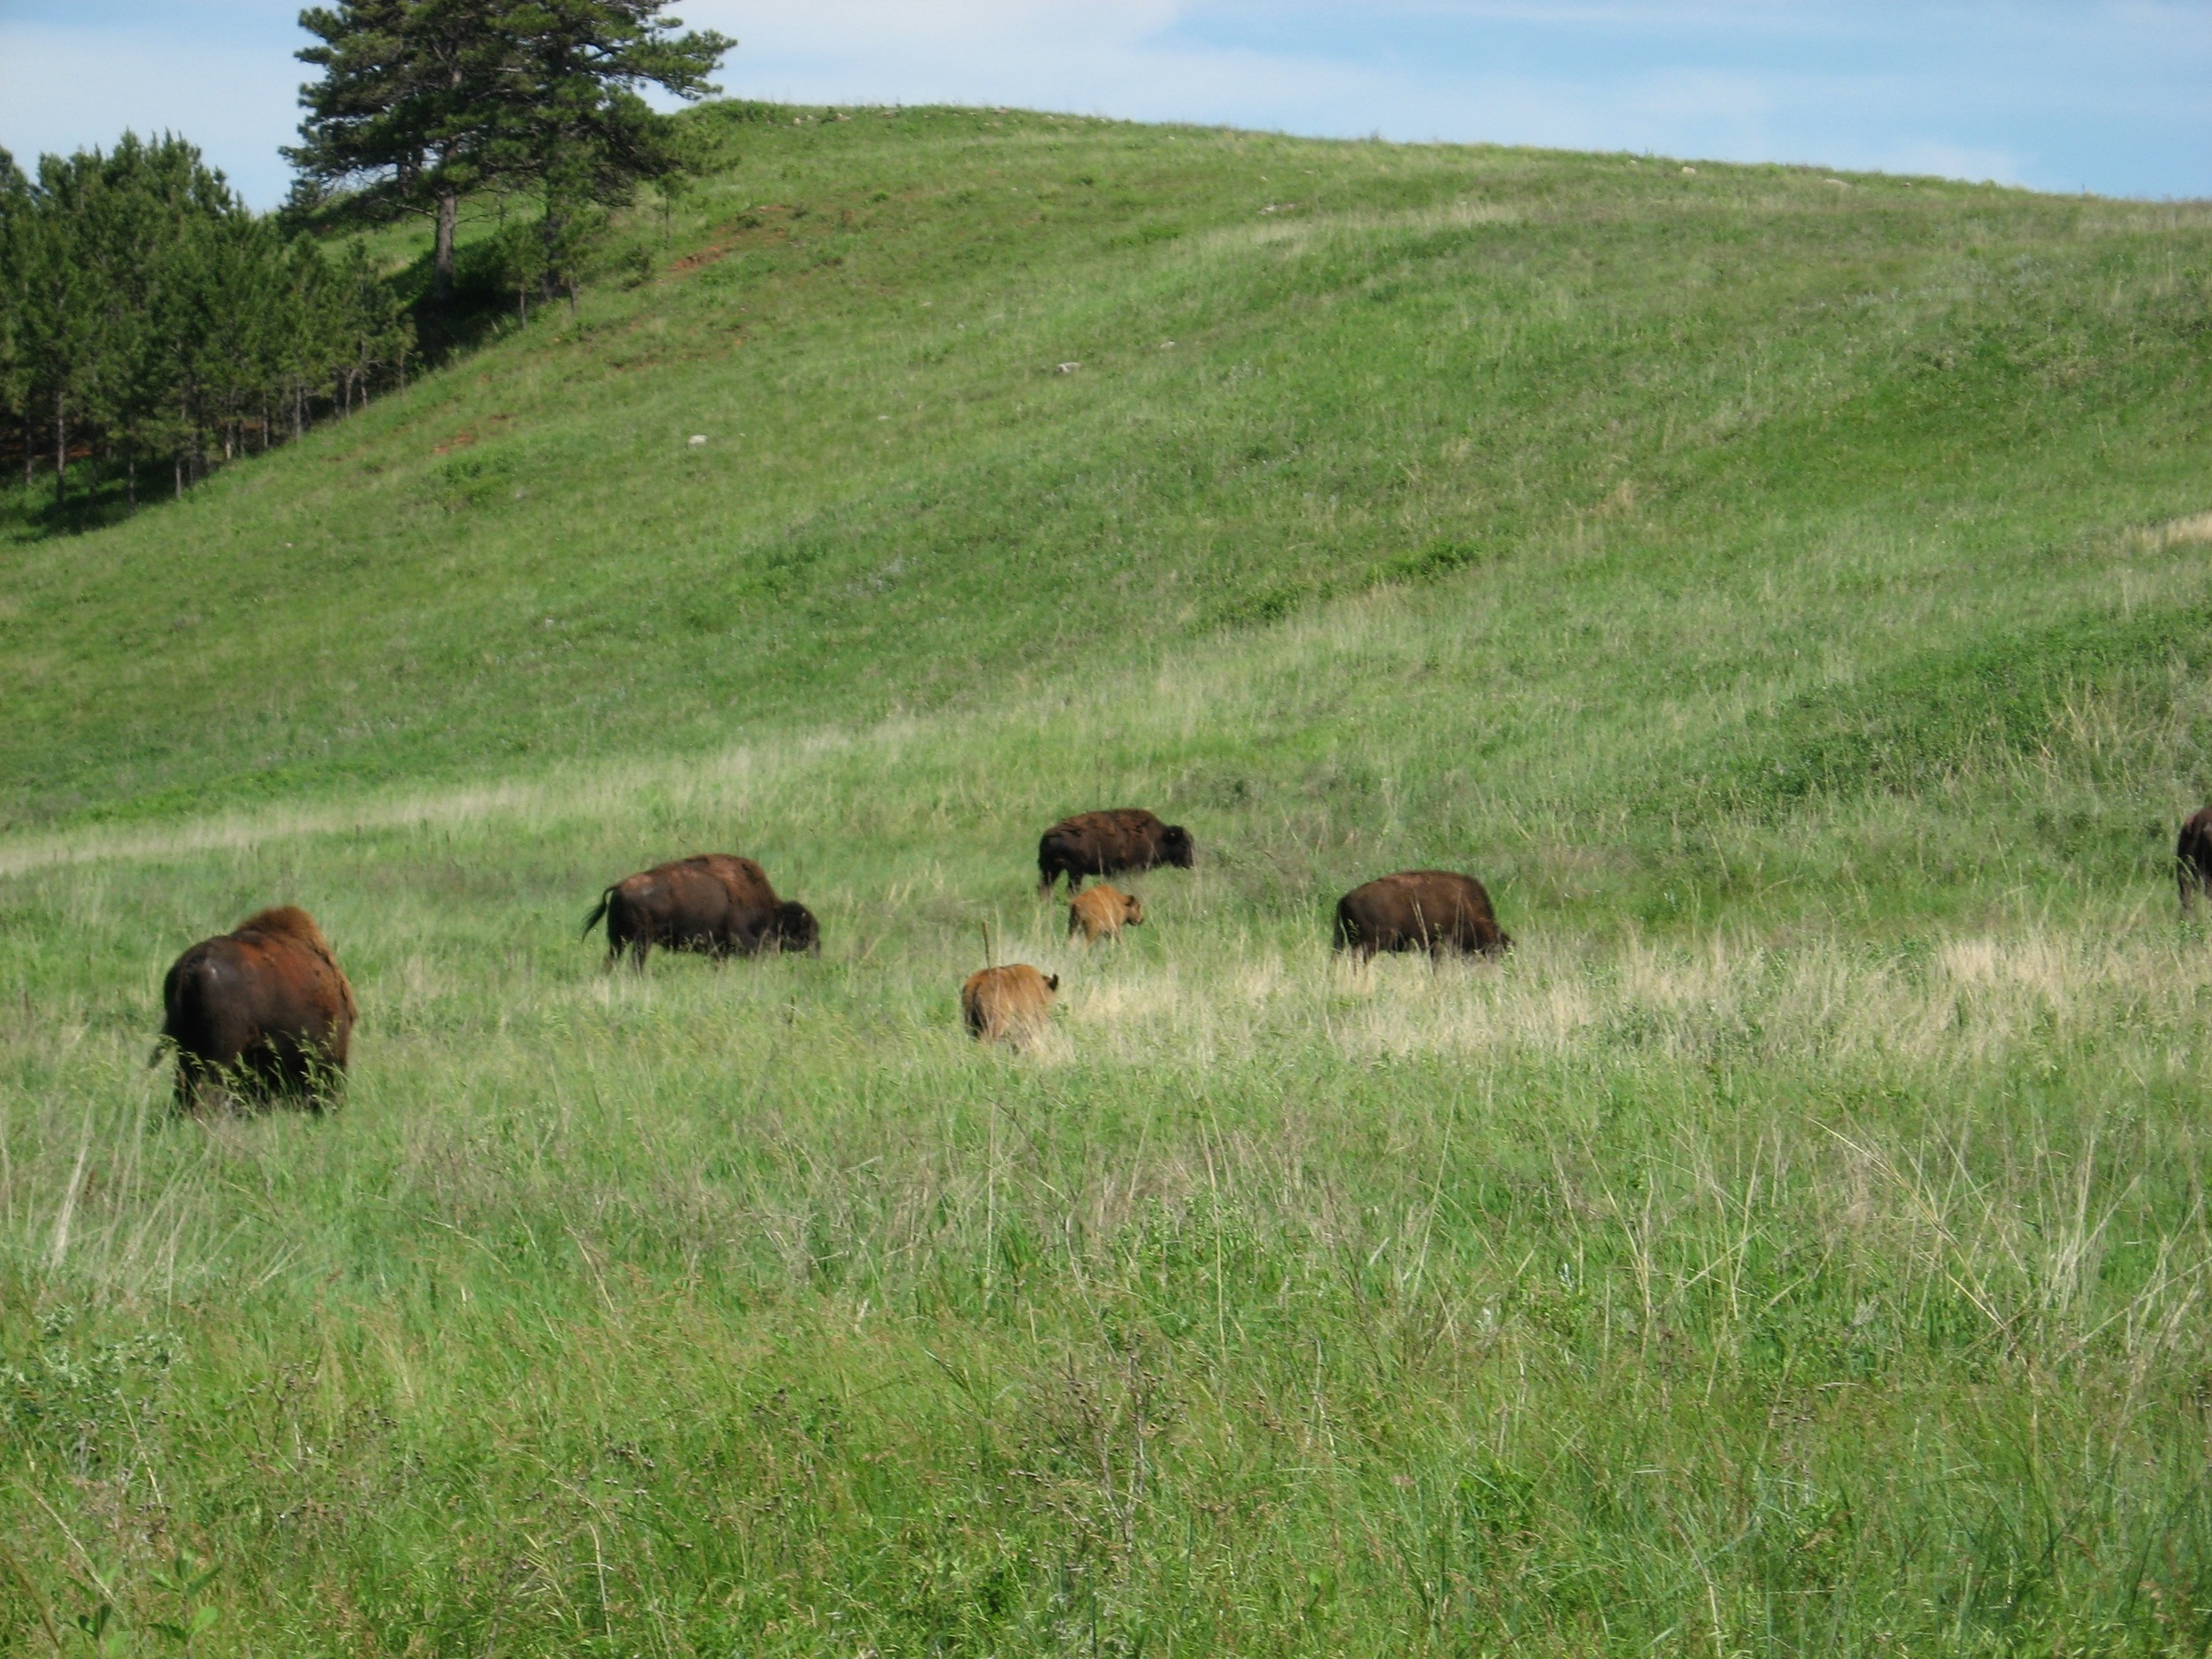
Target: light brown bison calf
262, 1013
1106, 843
2192, 859
1102, 912
1419, 909
1009, 1004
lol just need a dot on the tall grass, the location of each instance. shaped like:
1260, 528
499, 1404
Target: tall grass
1797, 1244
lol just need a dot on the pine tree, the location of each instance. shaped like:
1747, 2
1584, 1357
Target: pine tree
406, 110
16, 209
144, 311
422, 101
573, 130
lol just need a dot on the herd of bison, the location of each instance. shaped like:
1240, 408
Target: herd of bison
266, 1013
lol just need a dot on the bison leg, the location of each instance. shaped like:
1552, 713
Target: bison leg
199, 1083
324, 1077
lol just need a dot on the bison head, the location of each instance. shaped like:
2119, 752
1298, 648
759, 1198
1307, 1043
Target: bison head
1176, 847
1131, 909
795, 928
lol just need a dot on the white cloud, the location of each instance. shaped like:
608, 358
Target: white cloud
2109, 92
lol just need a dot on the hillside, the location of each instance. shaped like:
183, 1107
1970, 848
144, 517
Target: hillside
1788, 592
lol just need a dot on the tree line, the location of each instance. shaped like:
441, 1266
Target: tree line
153, 323
150, 322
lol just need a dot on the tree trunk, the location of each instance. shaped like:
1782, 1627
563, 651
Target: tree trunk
61, 451
442, 261
130, 477
571, 296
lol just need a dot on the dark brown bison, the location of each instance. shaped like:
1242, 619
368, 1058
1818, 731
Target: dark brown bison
1419, 909
1105, 844
715, 904
1009, 1004
1102, 912
260, 1013
2193, 858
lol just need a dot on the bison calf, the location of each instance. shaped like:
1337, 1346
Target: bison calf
263, 1012
1102, 912
1419, 909
715, 904
1009, 1004
1105, 844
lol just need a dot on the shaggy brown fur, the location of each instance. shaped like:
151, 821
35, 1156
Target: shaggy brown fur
1102, 912
260, 1013
1106, 843
715, 904
1009, 1004
1419, 909
2192, 859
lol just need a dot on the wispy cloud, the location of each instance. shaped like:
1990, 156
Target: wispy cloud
2113, 94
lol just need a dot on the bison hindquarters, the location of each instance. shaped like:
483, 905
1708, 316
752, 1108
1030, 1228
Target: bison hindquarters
261, 1014
1009, 1004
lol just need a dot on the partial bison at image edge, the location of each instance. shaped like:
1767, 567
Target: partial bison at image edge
261, 1013
2192, 859
1419, 909
1107, 843
715, 904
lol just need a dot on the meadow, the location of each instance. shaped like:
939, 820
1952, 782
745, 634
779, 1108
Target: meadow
1787, 592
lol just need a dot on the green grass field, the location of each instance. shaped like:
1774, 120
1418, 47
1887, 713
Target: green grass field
1792, 595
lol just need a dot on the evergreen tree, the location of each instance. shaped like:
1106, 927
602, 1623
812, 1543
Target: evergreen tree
422, 101
573, 129
145, 311
15, 228
407, 108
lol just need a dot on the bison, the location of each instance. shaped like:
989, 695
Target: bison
262, 1013
1102, 912
715, 904
1009, 1004
1419, 909
2192, 859
1105, 844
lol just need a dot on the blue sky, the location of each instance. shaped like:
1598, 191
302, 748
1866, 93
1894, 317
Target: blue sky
2098, 95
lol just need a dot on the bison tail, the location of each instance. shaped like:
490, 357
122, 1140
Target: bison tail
1347, 931
598, 910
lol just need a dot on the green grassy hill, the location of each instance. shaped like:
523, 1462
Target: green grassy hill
1790, 594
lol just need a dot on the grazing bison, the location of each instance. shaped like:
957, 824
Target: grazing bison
261, 1013
1103, 912
2193, 858
1419, 909
1106, 843
1009, 1004
712, 902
